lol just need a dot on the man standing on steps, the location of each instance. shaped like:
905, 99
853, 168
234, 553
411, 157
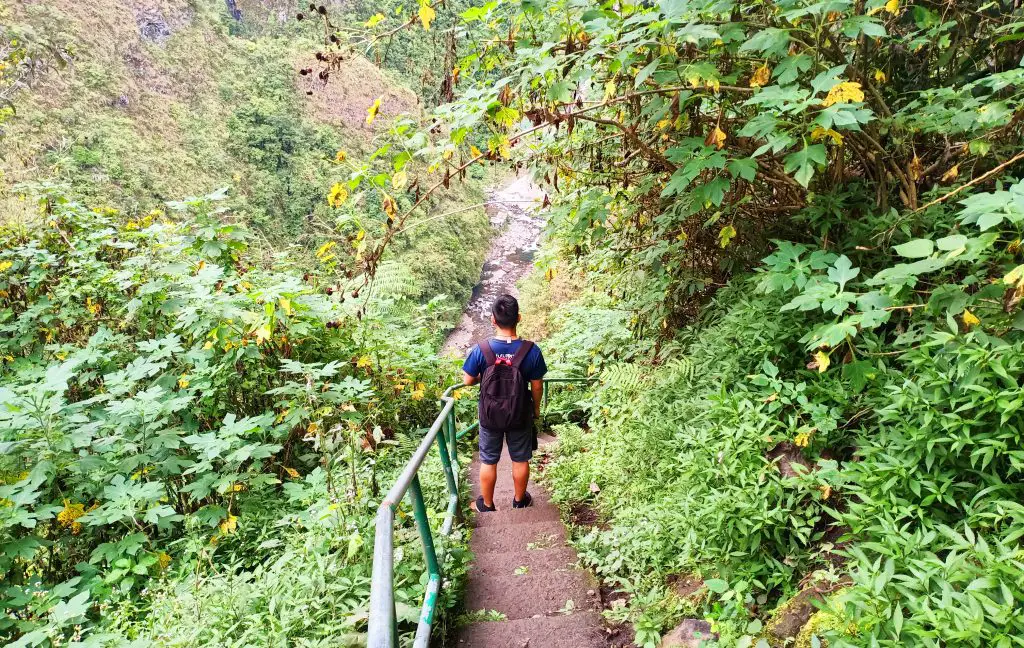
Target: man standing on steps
509, 371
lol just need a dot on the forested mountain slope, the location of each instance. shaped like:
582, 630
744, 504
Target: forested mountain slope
198, 408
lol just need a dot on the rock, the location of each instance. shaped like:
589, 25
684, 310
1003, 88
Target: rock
691, 633
791, 617
685, 586
786, 455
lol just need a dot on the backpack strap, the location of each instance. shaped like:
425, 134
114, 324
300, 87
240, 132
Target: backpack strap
485, 348
521, 353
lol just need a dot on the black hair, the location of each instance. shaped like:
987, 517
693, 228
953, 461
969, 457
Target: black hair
506, 311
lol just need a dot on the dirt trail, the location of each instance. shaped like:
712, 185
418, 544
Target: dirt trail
514, 211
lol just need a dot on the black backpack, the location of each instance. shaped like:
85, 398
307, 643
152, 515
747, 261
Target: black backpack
506, 402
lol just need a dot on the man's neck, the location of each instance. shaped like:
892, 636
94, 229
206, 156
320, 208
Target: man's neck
505, 334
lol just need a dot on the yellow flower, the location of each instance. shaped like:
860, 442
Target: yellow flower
336, 198
715, 138
761, 76
236, 488
294, 474
340, 156
313, 427
229, 524
845, 92
803, 439
399, 180
262, 334
417, 394
371, 112
286, 305
427, 14
374, 20
364, 361
163, 560
880, 76
284, 413
475, 152
5, 265
818, 133
208, 345
970, 319
69, 515
183, 382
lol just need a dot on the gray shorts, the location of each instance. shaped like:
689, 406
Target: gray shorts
520, 445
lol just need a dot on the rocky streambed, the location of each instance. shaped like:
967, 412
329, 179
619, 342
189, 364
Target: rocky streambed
514, 208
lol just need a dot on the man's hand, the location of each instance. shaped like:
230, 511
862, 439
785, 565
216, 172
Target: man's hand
537, 387
467, 379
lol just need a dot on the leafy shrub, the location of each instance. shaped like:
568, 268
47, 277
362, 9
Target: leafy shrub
169, 406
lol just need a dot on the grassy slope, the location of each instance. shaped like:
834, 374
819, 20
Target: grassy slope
173, 98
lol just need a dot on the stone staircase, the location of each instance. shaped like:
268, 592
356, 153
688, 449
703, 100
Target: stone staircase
524, 570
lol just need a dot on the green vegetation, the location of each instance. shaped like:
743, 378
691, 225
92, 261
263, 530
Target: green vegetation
843, 421
784, 236
189, 431
198, 413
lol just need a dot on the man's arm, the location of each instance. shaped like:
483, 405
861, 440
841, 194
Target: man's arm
537, 387
467, 379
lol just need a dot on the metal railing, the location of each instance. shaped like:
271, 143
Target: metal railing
383, 624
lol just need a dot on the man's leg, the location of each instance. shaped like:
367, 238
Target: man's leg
520, 478
490, 454
520, 448
488, 476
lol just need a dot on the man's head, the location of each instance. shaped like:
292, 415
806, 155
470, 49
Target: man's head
505, 312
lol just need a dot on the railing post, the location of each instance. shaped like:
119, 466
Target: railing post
419, 511
446, 463
452, 432
383, 632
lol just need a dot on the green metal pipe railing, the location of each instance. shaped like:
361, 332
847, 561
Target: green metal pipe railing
383, 625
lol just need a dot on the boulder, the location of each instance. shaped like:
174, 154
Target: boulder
691, 633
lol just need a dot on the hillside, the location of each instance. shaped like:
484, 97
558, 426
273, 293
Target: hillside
159, 100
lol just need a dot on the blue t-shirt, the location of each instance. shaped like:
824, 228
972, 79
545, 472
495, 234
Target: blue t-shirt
533, 367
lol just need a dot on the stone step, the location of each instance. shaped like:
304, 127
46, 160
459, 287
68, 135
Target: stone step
528, 536
542, 593
507, 516
579, 630
498, 564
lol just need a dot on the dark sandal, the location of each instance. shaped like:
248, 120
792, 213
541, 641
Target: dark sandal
527, 500
483, 508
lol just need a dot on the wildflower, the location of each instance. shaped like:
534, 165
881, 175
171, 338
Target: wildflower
761, 76
229, 524
208, 345
5, 265
845, 92
183, 382
69, 515
427, 14
970, 319
163, 560
340, 156
294, 474
364, 361
371, 112
336, 198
